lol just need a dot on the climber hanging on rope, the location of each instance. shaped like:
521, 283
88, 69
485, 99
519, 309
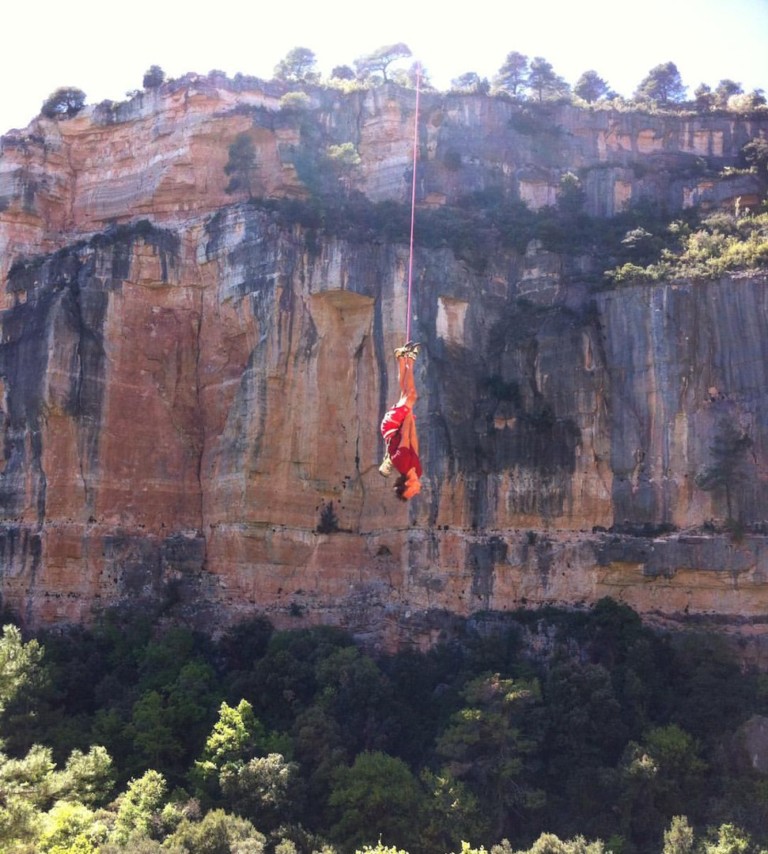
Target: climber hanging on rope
398, 428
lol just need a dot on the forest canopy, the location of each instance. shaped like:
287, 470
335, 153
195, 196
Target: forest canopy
133, 737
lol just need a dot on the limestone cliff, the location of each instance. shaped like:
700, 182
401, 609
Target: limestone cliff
191, 385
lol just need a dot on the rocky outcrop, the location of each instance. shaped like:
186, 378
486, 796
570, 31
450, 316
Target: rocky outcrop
191, 387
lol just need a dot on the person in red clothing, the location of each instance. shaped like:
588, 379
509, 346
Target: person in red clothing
398, 429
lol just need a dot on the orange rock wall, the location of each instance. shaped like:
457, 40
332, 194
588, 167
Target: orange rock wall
191, 392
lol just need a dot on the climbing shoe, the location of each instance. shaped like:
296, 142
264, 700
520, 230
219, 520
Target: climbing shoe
407, 351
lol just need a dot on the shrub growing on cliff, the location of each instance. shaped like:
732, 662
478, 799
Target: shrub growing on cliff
726, 244
722, 243
241, 166
728, 467
153, 77
725, 90
63, 103
748, 102
295, 102
329, 521
470, 83
342, 72
755, 152
343, 159
298, 66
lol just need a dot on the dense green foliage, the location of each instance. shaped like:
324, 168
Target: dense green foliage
134, 738
721, 243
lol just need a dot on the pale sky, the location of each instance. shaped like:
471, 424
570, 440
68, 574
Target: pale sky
104, 48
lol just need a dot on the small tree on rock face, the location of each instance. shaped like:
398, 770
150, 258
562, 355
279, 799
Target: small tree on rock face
724, 90
409, 77
513, 74
543, 81
591, 87
704, 97
471, 82
342, 72
241, 165
298, 66
728, 467
64, 103
295, 102
755, 152
571, 196
344, 159
745, 102
380, 60
153, 77
662, 85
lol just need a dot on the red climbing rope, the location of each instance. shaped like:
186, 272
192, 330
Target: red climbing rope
413, 203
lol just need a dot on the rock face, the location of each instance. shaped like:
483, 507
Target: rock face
191, 388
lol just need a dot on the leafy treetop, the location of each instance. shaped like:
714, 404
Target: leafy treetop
299, 65
591, 87
153, 77
380, 60
65, 102
543, 81
471, 82
662, 85
513, 74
